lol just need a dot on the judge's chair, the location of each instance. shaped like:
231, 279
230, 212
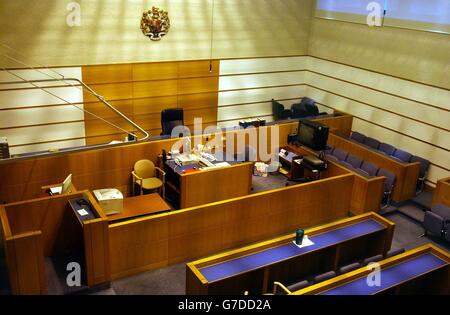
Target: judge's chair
145, 176
171, 118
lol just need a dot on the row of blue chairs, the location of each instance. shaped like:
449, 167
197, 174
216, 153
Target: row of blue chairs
364, 168
394, 153
308, 281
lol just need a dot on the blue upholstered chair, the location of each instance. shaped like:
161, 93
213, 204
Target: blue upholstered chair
349, 268
437, 220
358, 137
372, 259
387, 149
373, 143
340, 154
402, 155
354, 161
370, 168
388, 185
424, 165
323, 277
394, 252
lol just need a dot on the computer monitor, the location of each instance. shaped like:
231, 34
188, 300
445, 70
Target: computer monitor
67, 184
312, 134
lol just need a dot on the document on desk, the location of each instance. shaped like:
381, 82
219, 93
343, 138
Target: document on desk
56, 190
218, 165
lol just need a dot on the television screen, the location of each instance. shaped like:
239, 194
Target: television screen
313, 135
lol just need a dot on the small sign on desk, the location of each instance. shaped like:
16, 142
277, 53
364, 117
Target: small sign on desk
305, 243
82, 209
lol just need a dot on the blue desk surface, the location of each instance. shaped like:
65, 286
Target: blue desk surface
260, 259
391, 276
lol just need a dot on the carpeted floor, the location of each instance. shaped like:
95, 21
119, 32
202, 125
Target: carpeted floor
171, 280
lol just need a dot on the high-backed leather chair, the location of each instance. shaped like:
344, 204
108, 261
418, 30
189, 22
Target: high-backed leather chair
171, 118
279, 112
306, 108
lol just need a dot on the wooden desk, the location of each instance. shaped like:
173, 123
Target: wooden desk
255, 268
207, 186
424, 270
139, 206
442, 192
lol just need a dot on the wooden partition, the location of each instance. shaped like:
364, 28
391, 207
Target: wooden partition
215, 185
442, 192
184, 235
406, 174
97, 169
367, 193
142, 90
47, 227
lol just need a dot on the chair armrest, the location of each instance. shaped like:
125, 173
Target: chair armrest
161, 172
136, 176
278, 284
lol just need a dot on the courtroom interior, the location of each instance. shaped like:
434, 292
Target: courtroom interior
224, 147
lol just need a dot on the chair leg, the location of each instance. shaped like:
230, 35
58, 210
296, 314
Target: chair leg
425, 233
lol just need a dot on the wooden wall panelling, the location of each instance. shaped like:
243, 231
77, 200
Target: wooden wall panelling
99, 109
107, 73
155, 71
197, 101
110, 91
150, 87
442, 192
142, 89
153, 105
201, 68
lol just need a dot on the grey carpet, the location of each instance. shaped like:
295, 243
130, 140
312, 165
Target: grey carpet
165, 281
272, 181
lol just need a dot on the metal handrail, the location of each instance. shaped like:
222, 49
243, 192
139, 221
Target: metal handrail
100, 97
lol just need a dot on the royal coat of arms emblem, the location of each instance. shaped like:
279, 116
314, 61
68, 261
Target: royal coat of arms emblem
155, 23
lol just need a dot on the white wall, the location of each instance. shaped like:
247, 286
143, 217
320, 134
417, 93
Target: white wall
247, 86
33, 116
418, 124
